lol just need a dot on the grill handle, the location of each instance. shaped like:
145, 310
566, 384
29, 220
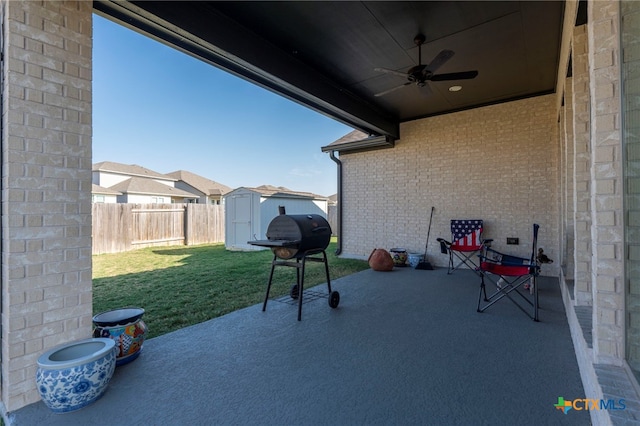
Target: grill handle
320, 229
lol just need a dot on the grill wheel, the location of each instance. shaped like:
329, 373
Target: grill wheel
334, 299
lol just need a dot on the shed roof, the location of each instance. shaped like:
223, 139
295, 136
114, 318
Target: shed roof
281, 192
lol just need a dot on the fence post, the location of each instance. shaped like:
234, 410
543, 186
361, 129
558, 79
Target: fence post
185, 220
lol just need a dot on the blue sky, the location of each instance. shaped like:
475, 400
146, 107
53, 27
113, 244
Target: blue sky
164, 110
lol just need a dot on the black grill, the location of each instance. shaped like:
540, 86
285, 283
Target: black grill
298, 237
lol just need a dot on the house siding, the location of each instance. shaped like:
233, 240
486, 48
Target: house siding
497, 163
202, 198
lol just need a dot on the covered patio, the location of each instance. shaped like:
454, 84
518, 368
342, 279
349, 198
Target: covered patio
403, 347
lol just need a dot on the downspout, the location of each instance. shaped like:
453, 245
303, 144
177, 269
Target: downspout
339, 214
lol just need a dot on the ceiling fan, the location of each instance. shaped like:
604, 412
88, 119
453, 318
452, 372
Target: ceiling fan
421, 73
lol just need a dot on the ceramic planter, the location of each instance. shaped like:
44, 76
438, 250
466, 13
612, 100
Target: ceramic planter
399, 256
126, 328
76, 374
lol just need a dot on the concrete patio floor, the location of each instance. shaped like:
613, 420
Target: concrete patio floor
403, 347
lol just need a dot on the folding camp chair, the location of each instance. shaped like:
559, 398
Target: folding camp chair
467, 243
509, 273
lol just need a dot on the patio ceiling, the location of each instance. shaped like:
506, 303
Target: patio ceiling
324, 54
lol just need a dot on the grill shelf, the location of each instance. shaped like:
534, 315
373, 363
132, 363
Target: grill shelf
309, 296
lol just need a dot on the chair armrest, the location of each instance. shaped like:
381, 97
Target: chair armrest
444, 245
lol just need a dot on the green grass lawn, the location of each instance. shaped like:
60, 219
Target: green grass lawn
182, 286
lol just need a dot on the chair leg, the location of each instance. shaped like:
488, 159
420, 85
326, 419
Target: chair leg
483, 289
536, 302
450, 269
464, 260
505, 290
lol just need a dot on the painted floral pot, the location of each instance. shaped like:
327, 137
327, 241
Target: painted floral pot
76, 374
399, 256
126, 328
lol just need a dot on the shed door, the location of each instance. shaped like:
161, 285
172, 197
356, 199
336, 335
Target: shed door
242, 220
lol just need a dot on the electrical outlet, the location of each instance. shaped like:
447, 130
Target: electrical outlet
513, 240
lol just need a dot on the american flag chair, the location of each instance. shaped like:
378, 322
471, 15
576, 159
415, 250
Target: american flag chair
509, 274
467, 243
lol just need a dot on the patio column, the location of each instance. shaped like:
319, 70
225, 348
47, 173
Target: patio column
607, 228
568, 183
46, 186
582, 167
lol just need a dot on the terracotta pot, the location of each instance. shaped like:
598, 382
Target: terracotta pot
380, 260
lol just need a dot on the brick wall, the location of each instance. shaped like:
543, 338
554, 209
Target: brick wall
607, 229
567, 173
498, 163
631, 91
46, 186
582, 167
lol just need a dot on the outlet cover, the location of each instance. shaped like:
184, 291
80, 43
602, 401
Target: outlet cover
513, 240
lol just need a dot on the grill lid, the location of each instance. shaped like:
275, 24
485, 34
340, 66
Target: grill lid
296, 235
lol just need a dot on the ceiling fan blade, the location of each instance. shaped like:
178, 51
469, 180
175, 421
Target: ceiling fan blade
439, 60
388, 71
425, 90
464, 75
393, 89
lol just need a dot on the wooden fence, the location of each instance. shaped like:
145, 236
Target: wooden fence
332, 218
121, 227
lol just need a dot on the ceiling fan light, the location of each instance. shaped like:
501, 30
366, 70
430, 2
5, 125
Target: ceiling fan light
455, 88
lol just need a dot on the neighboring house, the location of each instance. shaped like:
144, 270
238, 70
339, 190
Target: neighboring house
209, 191
248, 211
142, 190
100, 194
138, 184
354, 140
108, 173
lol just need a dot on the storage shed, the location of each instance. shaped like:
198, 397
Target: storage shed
248, 212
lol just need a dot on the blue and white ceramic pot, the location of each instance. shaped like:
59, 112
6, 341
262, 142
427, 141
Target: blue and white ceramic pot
74, 375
